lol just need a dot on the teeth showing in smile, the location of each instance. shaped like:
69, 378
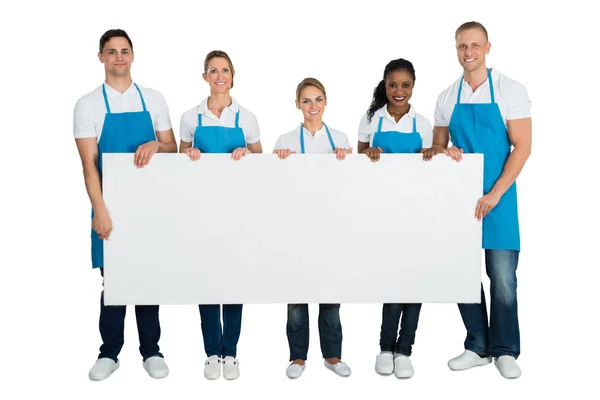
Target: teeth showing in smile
399, 98
313, 112
220, 83
469, 60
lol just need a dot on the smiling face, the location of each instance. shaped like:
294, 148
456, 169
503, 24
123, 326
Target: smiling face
398, 87
219, 75
471, 48
117, 57
312, 101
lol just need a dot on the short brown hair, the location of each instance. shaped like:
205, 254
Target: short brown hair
309, 82
221, 54
471, 25
111, 33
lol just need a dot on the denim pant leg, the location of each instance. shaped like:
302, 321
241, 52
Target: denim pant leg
232, 326
210, 316
475, 319
148, 330
390, 318
501, 267
297, 331
408, 328
330, 330
112, 327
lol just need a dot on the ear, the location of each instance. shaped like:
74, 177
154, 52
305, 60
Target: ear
297, 105
204, 76
100, 57
325, 102
487, 47
132, 55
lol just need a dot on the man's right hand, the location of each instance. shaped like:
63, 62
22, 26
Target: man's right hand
373, 153
102, 224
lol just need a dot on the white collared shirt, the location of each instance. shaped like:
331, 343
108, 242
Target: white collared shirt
317, 144
90, 110
511, 96
366, 129
247, 121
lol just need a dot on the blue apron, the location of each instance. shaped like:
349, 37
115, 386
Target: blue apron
398, 142
121, 133
219, 139
479, 128
328, 136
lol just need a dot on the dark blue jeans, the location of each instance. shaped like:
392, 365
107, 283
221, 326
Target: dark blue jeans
330, 331
502, 336
219, 341
408, 328
112, 327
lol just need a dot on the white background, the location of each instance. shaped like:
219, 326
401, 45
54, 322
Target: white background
50, 295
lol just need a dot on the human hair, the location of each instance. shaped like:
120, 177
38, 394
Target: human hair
219, 54
379, 96
309, 82
471, 25
111, 33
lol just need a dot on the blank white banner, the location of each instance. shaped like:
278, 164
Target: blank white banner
309, 229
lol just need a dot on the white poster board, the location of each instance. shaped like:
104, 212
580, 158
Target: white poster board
309, 229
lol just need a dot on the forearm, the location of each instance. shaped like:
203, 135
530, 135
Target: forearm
512, 169
255, 147
167, 147
94, 188
362, 146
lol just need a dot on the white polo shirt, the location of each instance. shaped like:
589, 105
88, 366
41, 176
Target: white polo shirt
367, 130
511, 96
90, 110
247, 121
318, 144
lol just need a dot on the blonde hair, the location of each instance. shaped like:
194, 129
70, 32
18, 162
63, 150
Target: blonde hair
471, 25
309, 82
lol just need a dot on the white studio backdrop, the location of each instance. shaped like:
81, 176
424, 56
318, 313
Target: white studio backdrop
288, 237
50, 295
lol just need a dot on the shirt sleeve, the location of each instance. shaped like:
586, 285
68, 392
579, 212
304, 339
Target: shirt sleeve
518, 104
364, 135
251, 130
426, 132
83, 119
279, 144
186, 130
439, 118
345, 144
163, 118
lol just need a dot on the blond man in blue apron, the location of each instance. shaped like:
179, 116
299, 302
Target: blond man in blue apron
120, 117
486, 112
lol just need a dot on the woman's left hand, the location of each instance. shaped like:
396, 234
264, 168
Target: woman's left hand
239, 153
341, 153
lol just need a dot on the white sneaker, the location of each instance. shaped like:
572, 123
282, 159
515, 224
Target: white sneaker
468, 359
294, 371
156, 367
102, 369
384, 363
339, 368
507, 365
403, 367
231, 368
212, 367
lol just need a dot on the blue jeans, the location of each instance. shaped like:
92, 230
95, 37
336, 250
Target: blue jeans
219, 341
502, 336
330, 331
408, 328
112, 327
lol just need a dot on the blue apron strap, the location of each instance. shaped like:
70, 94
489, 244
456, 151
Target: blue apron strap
330, 138
237, 119
491, 86
141, 97
459, 90
105, 99
415, 124
379, 126
302, 137
199, 119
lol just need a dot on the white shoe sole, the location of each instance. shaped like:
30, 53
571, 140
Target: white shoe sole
478, 363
